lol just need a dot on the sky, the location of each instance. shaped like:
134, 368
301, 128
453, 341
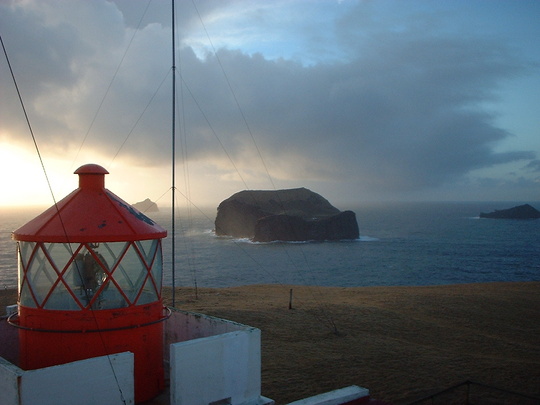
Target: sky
358, 101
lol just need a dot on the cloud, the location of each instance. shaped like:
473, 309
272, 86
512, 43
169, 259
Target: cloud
533, 166
390, 109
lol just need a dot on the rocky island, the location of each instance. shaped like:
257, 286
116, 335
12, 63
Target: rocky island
146, 206
286, 215
525, 211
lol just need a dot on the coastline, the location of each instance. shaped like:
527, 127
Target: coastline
399, 342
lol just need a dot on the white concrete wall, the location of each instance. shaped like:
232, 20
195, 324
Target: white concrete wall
184, 325
99, 380
9, 383
222, 367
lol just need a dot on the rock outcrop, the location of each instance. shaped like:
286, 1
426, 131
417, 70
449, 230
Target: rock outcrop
146, 206
525, 211
286, 215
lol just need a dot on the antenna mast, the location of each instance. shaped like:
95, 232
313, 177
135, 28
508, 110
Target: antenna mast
173, 177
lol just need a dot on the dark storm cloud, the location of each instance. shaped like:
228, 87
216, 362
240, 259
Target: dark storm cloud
406, 116
533, 166
402, 112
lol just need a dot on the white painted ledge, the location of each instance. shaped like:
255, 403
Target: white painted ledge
336, 397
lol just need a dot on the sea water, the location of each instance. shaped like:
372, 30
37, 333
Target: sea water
399, 244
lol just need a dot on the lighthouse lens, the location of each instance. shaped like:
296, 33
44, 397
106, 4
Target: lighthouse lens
77, 276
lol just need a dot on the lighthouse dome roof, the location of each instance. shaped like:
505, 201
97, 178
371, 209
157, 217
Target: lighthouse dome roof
91, 213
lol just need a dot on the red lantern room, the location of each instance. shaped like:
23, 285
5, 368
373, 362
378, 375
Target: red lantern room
90, 273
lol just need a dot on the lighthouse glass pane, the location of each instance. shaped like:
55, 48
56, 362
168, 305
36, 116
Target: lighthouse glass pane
109, 298
109, 257
68, 293
60, 255
151, 250
61, 299
131, 273
74, 275
157, 267
147, 249
109, 253
26, 297
25, 250
148, 294
40, 275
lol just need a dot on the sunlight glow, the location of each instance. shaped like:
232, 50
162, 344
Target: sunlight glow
22, 181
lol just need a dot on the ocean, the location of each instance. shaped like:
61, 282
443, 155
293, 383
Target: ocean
400, 244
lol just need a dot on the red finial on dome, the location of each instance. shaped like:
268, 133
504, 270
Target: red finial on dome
91, 176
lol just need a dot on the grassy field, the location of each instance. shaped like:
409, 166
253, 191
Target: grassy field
399, 342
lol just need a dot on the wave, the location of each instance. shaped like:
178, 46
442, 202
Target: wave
298, 242
366, 238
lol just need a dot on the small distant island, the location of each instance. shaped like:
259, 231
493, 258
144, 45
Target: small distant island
283, 215
146, 206
525, 211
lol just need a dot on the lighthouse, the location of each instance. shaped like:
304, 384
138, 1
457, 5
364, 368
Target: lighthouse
90, 277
